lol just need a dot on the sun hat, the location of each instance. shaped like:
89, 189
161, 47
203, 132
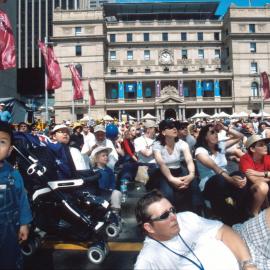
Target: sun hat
98, 150
254, 139
150, 124
57, 127
99, 128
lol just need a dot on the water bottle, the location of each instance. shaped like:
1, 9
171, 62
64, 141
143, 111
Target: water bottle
123, 189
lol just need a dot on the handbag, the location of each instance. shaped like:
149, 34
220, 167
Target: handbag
142, 174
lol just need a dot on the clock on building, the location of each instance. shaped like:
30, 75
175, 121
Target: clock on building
165, 58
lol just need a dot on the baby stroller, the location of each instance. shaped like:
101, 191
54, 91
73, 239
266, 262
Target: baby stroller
68, 209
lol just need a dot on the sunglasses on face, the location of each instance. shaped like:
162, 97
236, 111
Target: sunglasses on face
165, 215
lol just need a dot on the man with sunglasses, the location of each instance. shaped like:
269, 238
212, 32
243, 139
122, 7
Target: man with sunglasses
188, 242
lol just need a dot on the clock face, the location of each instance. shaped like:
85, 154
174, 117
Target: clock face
165, 58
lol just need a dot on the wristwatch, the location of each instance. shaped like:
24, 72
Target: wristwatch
247, 263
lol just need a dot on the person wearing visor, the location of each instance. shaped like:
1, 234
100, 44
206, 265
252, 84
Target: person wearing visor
256, 166
171, 179
186, 241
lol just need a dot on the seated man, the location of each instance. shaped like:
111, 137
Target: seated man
186, 241
256, 165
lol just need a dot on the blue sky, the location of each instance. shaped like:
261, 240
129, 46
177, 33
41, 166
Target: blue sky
224, 4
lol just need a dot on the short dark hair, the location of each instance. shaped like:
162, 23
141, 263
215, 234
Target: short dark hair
144, 202
6, 127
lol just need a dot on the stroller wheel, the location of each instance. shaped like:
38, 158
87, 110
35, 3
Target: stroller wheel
28, 248
96, 254
112, 230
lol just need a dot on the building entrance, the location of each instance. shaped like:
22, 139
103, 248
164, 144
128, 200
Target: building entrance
170, 113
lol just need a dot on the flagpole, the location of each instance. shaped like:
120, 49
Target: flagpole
46, 90
89, 102
72, 99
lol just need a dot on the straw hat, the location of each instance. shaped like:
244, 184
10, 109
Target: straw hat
253, 139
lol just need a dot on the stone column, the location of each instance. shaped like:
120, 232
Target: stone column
184, 114
180, 114
138, 115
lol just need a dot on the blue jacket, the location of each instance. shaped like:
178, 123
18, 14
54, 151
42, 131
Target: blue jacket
107, 178
5, 116
25, 216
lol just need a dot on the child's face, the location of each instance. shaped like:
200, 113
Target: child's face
102, 158
5, 145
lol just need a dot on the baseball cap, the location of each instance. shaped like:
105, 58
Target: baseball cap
61, 126
253, 139
150, 124
99, 128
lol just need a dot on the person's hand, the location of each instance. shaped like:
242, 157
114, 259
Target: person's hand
250, 172
185, 181
23, 233
238, 181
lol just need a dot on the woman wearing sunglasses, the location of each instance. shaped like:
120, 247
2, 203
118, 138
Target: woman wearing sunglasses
170, 178
226, 192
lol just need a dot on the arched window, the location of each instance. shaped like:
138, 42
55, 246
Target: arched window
254, 89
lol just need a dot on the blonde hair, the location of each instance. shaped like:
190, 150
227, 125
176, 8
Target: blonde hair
94, 158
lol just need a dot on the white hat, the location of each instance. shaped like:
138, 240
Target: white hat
98, 150
2, 104
149, 124
99, 128
57, 127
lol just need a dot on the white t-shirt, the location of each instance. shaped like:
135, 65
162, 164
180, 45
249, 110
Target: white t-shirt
200, 235
141, 143
220, 159
171, 160
79, 160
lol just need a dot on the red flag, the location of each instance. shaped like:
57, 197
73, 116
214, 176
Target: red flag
92, 100
77, 84
265, 85
7, 43
53, 71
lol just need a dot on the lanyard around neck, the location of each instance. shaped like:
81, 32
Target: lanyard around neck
198, 265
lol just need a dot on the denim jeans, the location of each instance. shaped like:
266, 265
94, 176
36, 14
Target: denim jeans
10, 252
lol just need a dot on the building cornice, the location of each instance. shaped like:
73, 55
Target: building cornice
81, 22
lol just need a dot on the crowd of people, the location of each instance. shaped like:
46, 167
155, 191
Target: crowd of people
188, 163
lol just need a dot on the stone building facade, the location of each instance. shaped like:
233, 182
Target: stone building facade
169, 60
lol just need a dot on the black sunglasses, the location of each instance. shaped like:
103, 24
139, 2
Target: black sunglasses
165, 215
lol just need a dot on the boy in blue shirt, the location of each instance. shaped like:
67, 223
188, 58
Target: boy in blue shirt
15, 214
99, 158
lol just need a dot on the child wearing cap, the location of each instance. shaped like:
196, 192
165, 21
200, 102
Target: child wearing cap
15, 214
99, 158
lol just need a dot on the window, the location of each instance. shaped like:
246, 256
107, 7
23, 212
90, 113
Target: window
78, 50
166, 70
129, 55
200, 35
226, 32
164, 36
112, 55
227, 51
217, 54
216, 36
146, 54
113, 71
183, 36
129, 37
147, 71
146, 37
254, 89
78, 30
201, 53
184, 54
253, 67
112, 37
130, 71
251, 28
79, 69
252, 47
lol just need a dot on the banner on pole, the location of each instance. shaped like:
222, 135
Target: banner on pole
77, 84
53, 71
265, 85
92, 100
7, 43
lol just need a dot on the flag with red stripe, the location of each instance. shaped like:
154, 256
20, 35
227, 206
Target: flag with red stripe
77, 83
92, 100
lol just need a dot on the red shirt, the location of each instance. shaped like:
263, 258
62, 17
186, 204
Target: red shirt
246, 162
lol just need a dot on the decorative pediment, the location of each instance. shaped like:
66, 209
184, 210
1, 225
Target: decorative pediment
171, 100
169, 90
